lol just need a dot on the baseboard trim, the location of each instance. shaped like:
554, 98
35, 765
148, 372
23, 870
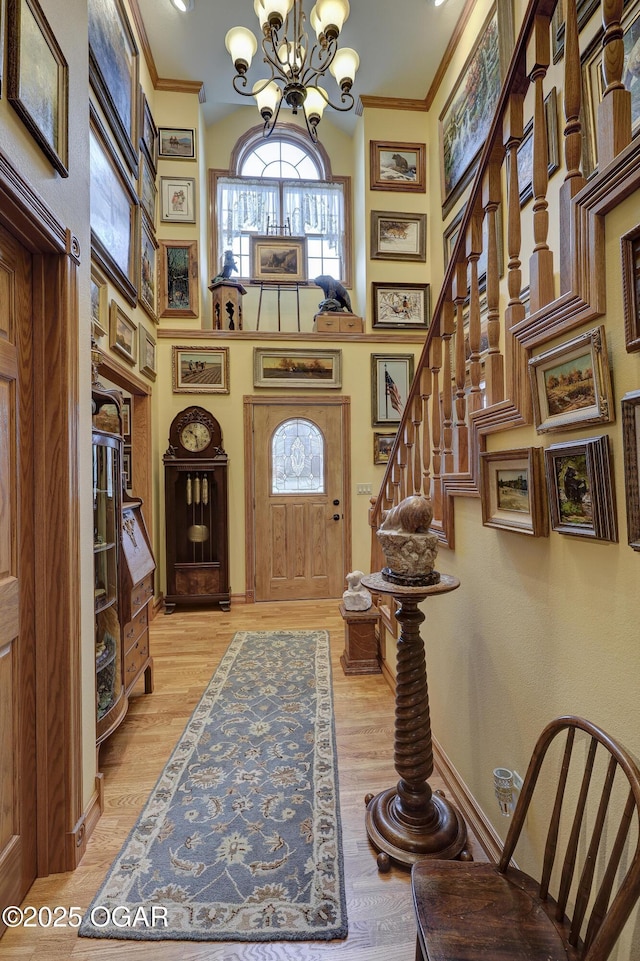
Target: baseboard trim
488, 839
85, 825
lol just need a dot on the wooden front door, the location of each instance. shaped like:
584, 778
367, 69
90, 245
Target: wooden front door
301, 514
17, 558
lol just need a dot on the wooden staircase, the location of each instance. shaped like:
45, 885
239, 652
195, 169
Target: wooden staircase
464, 391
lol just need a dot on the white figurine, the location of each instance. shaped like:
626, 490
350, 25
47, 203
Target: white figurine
356, 597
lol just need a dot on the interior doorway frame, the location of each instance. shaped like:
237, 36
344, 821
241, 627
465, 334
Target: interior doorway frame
250, 402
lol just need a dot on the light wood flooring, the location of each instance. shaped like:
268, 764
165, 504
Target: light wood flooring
187, 646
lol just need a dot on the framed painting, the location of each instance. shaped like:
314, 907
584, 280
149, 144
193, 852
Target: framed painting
200, 370
113, 73
178, 273
398, 236
581, 491
631, 444
400, 305
525, 150
122, 333
177, 199
176, 143
99, 306
126, 468
585, 10
37, 81
467, 115
571, 384
147, 353
296, 368
148, 272
592, 82
512, 491
125, 413
148, 132
398, 166
114, 206
391, 376
147, 189
281, 260
382, 446
630, 249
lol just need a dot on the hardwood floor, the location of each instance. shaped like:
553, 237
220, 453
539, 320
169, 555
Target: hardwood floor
187, 646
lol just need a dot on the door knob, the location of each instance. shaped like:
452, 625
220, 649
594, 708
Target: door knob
335, 503
336, 517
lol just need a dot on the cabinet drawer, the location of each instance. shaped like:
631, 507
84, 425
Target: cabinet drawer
325, 323
136, 627
141, 593
351, 325
135, 658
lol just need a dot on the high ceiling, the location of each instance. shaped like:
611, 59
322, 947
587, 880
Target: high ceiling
400, 43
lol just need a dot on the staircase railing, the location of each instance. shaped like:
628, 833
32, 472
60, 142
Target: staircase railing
464, 389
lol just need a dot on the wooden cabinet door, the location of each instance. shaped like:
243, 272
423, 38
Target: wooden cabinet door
17, 562
299, 536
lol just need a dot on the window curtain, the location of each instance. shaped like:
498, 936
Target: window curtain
315, 208
245, 205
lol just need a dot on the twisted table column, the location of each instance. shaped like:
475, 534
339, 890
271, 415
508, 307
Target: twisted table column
410, 821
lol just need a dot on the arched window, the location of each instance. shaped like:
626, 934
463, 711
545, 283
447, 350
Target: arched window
283, 185
297, 458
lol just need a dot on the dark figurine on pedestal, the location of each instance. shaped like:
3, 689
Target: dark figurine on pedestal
336, 297
229, 266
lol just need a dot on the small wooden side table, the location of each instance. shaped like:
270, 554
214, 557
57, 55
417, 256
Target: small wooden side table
410, 821
361, 653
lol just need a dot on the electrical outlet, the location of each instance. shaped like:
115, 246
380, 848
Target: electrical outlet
364, 489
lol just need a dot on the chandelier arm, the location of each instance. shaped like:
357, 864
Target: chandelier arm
270, 122
324, 55
311, 128
346, 97
242, 80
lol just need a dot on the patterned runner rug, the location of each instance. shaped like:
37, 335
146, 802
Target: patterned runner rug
240, 839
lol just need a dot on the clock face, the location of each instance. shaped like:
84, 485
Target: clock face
195, 437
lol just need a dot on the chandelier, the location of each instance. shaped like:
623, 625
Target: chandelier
295, 67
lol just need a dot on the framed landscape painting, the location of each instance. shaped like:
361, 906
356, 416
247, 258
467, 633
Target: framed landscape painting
398, 236
37, 83
467, 115
525, 150
400, 305
512, 490
391, 376
571, 384
296, 368
178, 278
280, 260
631, 442
398, 166
122, 333
176, 143
113, 72
382, 446
581, 491
147, 353
200, 370
147, 292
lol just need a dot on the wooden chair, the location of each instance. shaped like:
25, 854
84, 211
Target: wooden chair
494, 912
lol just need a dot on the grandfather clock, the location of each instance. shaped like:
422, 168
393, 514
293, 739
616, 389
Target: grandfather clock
197, 531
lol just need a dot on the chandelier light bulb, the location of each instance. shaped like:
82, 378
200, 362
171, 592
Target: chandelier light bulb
332, 15
267, 98
314, 105
344, 67
291, 56
276, 11
241, 45
261, 13
314, 20
183, 5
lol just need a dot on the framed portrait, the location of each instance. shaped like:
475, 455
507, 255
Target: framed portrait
114, 206
147, 355
125, 413
398, 166
148, 132
37, 81
147, 189
467, 115
281, 260
398, 236
571, 384
391, 376
382, 446
296, 368
178, 273
592, 82
630, 250
512, 491
177, 200
122, 333
400, 305
631, 444
176, 143
148, 271
525, 150
113, 73
581, 491
99, 306
200, 370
